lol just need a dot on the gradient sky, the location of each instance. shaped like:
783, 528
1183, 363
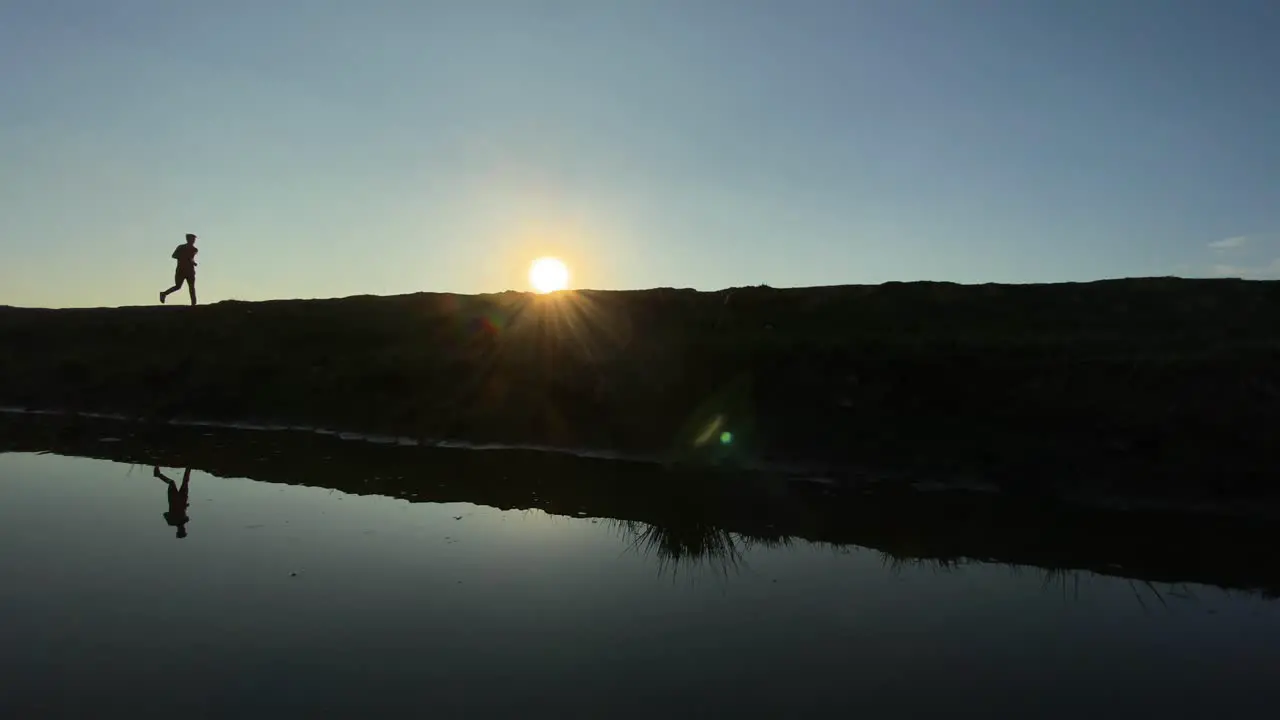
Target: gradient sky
325, 148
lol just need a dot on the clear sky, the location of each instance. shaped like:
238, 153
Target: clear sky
325, 148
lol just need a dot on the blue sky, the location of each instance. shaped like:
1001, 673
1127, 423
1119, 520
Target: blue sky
328, 148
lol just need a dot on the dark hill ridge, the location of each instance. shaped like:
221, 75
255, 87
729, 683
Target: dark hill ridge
1145, 383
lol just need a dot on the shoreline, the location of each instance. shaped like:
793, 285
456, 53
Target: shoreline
1250, 509
1144, 386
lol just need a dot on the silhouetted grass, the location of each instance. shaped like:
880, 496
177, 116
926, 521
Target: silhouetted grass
693, 548
691, 545
1065, 581
684, 548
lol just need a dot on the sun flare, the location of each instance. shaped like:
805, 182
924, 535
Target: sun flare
548, 275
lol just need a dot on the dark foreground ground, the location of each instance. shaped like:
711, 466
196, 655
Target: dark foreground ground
692, 518
1160, 385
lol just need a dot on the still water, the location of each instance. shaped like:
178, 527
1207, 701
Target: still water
295, 601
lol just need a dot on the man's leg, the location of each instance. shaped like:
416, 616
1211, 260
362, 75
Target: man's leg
177, 283
167, 481
191, 287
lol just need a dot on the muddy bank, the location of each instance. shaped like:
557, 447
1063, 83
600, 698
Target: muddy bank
1164, 384
687, 515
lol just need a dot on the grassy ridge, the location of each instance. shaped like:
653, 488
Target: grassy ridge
1164, 383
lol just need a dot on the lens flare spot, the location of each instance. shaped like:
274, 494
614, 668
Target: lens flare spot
709, 431
726, 438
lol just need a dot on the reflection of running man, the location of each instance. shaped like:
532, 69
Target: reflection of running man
186, 269
177, 514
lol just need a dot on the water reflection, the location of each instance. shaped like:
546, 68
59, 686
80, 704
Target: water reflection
687, 520
326, 586
688, 547
1060, 581
693, 547
179, 500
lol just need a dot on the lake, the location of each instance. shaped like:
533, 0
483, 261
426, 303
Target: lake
300, 599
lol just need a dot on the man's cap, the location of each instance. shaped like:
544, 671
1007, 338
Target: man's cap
191, 236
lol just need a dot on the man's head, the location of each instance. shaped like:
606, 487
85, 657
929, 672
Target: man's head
191, 239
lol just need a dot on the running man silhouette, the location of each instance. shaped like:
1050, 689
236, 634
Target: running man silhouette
186, 270
178, 502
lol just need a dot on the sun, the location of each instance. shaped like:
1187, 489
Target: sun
548, 275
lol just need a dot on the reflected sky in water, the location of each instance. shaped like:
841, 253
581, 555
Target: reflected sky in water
295, 601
